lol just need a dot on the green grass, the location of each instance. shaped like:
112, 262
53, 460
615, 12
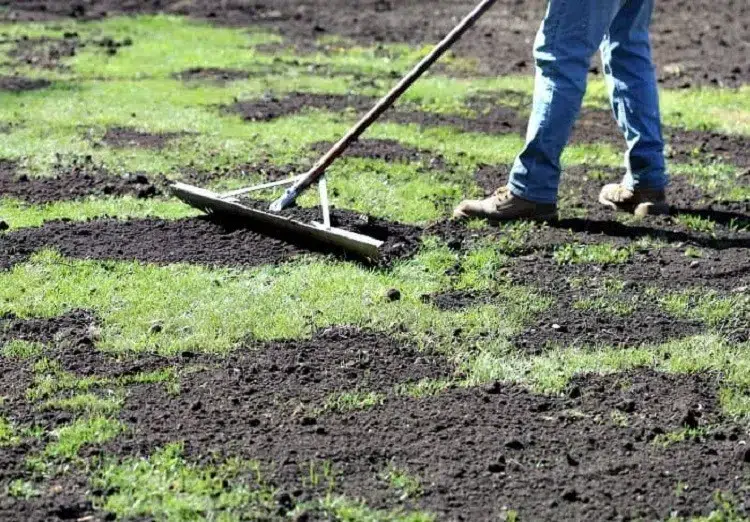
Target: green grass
598, 254
342, 509
553, 370
352, 401
8, 436
20, 349
675, 437
697, 223
424, 388
709, 306
87, 403
83, 432
406, 484
20, 215
22, 489
607, 305
166, 487
50, 380
207, 309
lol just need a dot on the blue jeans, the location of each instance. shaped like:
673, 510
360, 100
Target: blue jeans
570, 34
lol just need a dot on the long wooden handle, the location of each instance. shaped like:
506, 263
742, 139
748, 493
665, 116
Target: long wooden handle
383, 105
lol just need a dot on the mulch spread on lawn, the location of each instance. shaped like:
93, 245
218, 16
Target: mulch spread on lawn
714, 51
475, 450
70, 182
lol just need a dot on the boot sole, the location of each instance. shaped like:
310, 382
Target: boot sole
537, 218
647, 208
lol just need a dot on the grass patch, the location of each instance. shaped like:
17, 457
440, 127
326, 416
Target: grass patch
710, 306
596, 254
402, 192
22, 489
697, 223
553, 370
21, 215
423, 388
342, 509
8, 436
352, 401
406, 484
607, 305
718, 179
50, 379
166, 487
20, 349
212, 310
665, 440
83, 432
88, 403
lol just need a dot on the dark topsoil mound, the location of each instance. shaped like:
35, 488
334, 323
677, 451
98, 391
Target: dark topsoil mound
695, 42
149, 240
74, 181
21, 84
197, 240
475, 450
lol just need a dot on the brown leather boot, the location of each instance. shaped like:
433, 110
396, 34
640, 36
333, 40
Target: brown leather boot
504, 206
641, 202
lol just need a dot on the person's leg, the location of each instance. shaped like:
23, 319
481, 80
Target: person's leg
631, 82
570, 35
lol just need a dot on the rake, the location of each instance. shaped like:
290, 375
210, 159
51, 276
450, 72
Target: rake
230, 205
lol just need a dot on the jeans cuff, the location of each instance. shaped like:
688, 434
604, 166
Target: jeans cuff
521, 192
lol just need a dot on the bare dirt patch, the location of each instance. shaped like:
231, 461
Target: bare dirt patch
22, 84
44, 52
212, 74
72, 181
475, 450
124, 137
49, 52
